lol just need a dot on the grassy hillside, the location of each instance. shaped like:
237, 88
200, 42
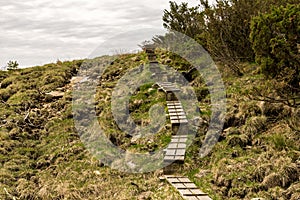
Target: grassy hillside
42, 156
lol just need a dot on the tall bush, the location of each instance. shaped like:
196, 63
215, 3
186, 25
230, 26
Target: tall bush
275, 40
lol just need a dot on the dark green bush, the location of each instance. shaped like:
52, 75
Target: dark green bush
275, 40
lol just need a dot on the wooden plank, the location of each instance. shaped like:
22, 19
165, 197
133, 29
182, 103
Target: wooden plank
172, 110
181, 145
184, 180
180, 152
206, 197
191, 198
169, 106
180, 136
174, 159
172, 145
179, 158
190, 185
175, 152
179, 121
178, 117
173, 180
183, 140
167, 158
173, 140
174, 104
176, 149
170, 90
197, 192
168, 87
186, 188
175, 112
184, 192
177, 146
178, 185
181, 116
170, 152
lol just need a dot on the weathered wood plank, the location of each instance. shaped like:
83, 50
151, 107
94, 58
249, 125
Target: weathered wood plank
187, 189
168, 87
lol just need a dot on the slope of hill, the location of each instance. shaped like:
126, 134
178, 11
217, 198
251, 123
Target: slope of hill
42, 156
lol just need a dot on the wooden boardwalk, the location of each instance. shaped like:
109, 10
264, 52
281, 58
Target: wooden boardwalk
169, 89
187, 189
176, 112
175, 152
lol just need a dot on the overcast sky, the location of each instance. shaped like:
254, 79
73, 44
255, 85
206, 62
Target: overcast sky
36, 32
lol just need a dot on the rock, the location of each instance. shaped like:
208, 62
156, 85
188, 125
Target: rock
136, 104
135, 139
60, 89
131, 165
97, 172
76, 79
199, 122
150, 90
56, 94
145, 195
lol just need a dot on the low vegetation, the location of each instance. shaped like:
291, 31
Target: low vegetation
257, 154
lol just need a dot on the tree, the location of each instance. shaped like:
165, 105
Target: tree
222, 29
228, 29
183, 19
12, 65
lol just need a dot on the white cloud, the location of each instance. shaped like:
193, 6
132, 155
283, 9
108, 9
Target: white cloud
35, 32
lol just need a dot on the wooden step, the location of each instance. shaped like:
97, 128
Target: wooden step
176, 112
187, 189
168, 87
175, 152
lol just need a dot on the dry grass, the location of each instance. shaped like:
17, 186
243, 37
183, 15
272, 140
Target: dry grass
42, 157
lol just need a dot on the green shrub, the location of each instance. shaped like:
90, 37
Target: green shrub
5, 94
12, 65
8, 81
24, 97
279, 141
274, 38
